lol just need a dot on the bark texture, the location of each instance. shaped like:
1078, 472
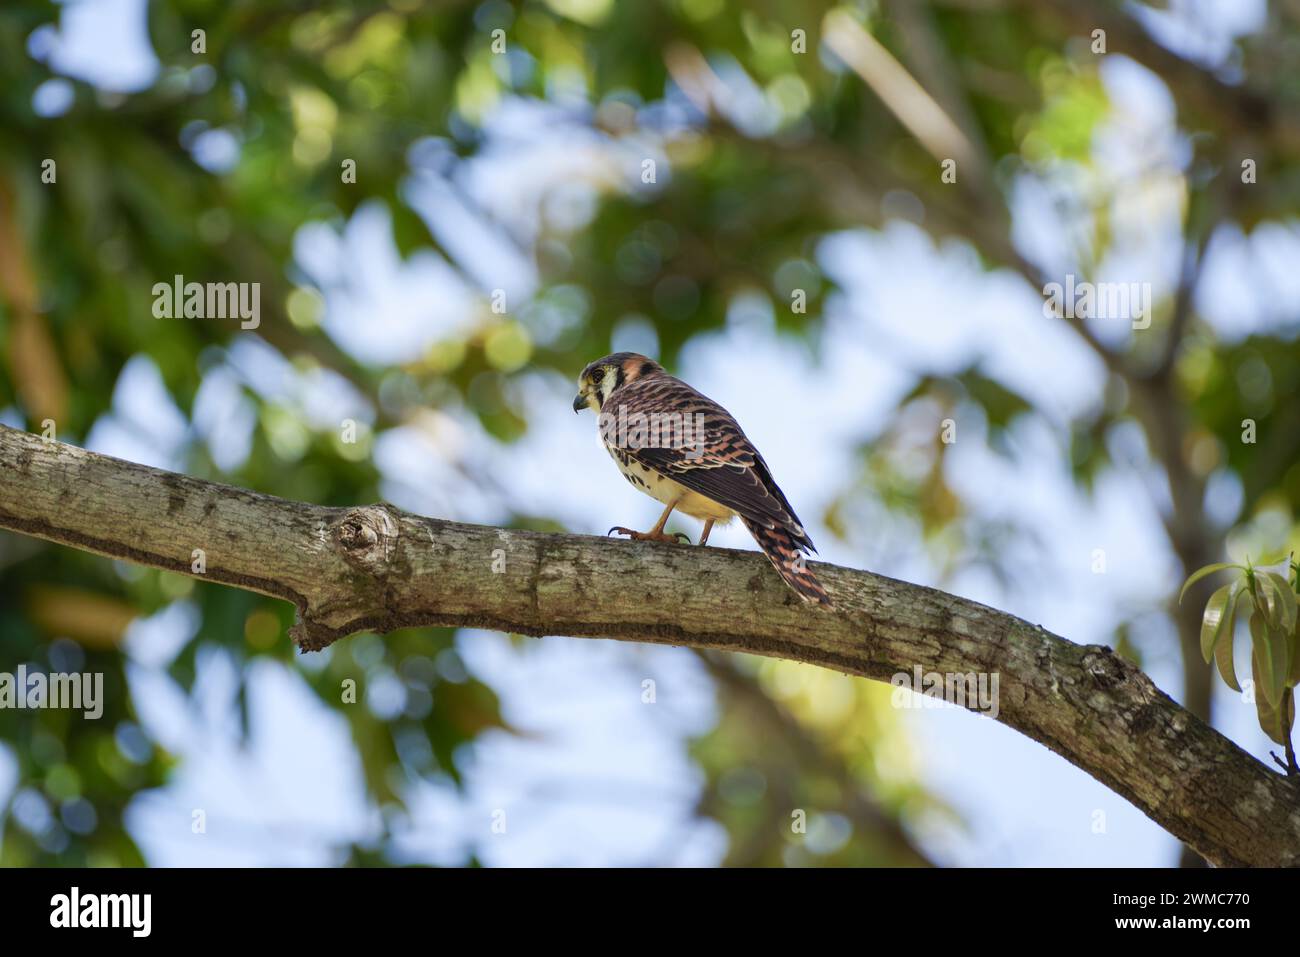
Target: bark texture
376, 568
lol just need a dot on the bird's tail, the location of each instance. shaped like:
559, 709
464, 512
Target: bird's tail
784, 552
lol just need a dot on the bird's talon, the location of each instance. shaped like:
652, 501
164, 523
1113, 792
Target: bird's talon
648, 536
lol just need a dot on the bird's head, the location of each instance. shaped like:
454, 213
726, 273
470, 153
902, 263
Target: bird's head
603, 376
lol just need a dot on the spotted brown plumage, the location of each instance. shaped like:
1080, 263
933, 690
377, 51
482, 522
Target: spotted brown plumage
683, 449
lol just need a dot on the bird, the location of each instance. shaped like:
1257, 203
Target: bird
680, 447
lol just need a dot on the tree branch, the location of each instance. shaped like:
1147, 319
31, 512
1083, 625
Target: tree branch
377, 568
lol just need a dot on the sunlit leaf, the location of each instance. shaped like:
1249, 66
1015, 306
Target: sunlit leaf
1223, 650
1200, 573
1286, 601
1213, 619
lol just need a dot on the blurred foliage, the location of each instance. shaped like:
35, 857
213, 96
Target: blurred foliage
215, 167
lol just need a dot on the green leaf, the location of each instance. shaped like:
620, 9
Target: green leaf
1213, 618
1286, 601
1268, 649
1270, 715
1265, 600
1200, 573
1223, 652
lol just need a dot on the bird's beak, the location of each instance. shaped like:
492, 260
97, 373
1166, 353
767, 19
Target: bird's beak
579, 402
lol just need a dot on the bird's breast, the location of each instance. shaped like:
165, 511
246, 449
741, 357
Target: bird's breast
667, 490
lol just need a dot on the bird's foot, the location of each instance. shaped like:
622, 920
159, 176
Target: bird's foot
650, 536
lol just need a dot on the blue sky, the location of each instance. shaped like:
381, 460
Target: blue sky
602, 777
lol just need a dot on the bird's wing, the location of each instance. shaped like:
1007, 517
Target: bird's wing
718, 462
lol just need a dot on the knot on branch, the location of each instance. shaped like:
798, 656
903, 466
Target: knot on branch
1103, 666
367, 537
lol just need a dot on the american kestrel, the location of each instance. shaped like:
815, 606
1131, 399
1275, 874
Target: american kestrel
685, 450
